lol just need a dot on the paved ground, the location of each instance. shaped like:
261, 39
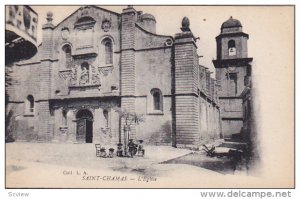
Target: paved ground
75, 165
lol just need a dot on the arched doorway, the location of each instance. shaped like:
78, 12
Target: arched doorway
84, 132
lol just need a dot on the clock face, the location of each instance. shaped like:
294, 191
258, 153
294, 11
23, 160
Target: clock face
231, 68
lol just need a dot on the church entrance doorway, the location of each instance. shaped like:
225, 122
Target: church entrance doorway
84, 132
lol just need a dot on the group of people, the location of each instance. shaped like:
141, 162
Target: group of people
132, 149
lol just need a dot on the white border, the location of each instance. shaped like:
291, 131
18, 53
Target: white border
124, 194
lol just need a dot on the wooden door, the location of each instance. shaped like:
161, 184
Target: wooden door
89, 131
81, 130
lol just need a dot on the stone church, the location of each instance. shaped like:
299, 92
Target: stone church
97, 61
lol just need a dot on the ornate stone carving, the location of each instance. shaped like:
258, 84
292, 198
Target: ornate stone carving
73, 77
69, 75
88, 76
106, 70
65, 33
95, 76
185, 24
106, 25
65, 74
84, 75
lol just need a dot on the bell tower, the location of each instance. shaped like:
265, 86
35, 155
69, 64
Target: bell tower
232, 66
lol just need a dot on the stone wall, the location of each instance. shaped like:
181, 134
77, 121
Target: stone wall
222, 77
142, 61
186, 90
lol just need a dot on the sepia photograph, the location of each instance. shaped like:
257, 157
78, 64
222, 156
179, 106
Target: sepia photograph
132, 96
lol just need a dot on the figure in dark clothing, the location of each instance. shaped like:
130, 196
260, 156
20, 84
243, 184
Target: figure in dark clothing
132, 148
120, 150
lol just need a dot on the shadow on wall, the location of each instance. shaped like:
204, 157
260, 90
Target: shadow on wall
163, 136
9, 123
26, 133
23, 132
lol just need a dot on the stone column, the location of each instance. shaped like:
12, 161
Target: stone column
129, 17
71, 126
45, 80
186, 90
97, 126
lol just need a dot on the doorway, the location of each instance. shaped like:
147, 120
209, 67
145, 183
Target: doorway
84, 132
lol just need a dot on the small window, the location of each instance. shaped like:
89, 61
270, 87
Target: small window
29, 104
105, 114
231, 48
108, 51
67, 56
157, 99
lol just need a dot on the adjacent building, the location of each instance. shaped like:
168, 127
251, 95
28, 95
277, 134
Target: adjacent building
20, 33
20, 44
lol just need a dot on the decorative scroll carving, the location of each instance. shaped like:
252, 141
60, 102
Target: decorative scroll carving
65, 74
106, 70
95, 76
73, 77
106, 25
69, 75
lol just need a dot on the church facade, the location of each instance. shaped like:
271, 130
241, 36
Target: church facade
97, 61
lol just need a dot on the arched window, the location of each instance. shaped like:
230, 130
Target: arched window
105, 114
157, 99
108, 51
30, 104
231, 47
67, 56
